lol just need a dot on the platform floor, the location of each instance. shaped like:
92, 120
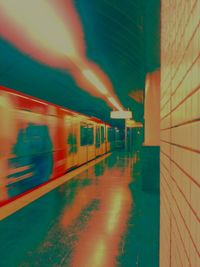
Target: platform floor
100, 218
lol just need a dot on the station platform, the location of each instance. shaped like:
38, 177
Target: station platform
101, 217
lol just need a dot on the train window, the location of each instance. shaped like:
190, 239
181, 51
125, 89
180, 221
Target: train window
90, 135
83, 131
102, 134
98, 137
72, 142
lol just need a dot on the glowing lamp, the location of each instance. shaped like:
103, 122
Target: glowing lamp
133, 124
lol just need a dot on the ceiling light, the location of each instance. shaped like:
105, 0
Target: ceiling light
114, 102
93, 79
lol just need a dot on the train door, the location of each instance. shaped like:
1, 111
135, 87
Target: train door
102, 140
8, 121
71, 125
68, 138
107, 138
97, 141
32, 162
83, 151
59, 147
90, 141
75, 127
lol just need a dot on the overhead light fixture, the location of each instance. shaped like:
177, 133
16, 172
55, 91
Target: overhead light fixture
93, 79
114, 103
133, 124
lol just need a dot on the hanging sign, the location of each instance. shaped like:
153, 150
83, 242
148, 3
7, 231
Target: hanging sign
121, 114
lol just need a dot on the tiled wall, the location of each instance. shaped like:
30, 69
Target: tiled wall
180, 133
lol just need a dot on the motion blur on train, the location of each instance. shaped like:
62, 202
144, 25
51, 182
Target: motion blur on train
40, 141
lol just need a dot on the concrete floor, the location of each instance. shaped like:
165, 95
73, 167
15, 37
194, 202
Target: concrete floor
100, 218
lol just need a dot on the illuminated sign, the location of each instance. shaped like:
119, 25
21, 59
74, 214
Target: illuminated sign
133, 124
121, 114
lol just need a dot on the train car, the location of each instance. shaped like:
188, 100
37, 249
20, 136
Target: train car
40, 141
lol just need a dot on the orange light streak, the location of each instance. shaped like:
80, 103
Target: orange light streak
95, 81
56, 39
115, 103
51, 32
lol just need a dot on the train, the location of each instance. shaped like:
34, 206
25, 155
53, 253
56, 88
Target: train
41, 141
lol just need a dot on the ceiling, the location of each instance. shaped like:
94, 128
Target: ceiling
122, 38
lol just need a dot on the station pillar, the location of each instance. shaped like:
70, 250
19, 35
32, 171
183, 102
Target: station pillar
151, 147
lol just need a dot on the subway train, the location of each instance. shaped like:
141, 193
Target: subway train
40, 141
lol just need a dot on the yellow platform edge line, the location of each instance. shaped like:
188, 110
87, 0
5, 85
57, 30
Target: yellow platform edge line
23, 201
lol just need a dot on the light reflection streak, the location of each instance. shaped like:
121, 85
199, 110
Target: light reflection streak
99, 254
95, 81
51, 32
99, 242
115, 211
114, 103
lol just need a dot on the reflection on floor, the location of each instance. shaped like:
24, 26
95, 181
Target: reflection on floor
100, 218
